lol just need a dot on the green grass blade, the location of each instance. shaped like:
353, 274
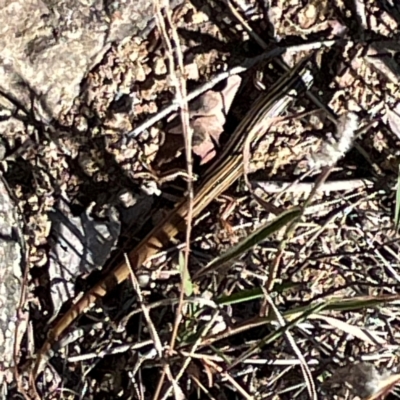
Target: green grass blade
187, 282
253, 294
278, 333
250, 241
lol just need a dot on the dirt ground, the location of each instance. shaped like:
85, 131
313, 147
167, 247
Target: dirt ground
106, 178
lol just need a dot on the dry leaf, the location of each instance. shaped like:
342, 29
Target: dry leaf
207, 119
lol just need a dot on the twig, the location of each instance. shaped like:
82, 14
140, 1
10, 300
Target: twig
303, 363
152, 330
194, 348
246, 65
111, 351
181, 96
330, 186
188, 136
230, 379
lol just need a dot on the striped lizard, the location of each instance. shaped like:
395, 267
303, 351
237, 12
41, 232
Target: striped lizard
227, 168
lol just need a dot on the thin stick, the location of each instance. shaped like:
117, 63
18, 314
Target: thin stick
188, 359
246, 65
273, 270
330, 186
303, 363
180, 85
181, 95
281, 63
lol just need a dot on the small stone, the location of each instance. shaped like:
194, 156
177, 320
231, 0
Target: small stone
127, 199
140, 73
159, 67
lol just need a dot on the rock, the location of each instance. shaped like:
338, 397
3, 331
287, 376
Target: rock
81, 244
47, 47
11, 251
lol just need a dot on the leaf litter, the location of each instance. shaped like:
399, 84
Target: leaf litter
354, 246
207, 119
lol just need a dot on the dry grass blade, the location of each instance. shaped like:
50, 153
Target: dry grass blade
253, 294
300, 317
250, 241
386, 386
153, 332
348, 304
188, 359
303, 363
180, 86
229, 378
299, 314
356, 331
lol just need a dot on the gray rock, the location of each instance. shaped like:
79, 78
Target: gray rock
81, 244
11, 251
47, 47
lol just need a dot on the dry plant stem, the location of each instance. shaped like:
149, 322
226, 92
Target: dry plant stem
230, 379
258, 361
331, 186
112, 351
194, 348
180, 87
226, 169
239, 328
246, 65
202, 387
152, 330
273, 270
303, 363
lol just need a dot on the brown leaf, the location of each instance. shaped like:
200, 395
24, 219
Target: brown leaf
207, 119
206, 132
